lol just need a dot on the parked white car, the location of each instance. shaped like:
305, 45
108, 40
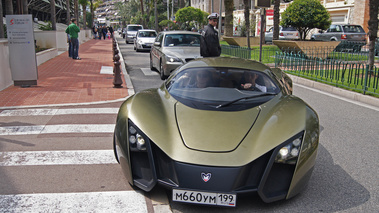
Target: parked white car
285, 33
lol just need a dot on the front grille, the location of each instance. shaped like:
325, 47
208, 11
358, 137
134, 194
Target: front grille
226, 179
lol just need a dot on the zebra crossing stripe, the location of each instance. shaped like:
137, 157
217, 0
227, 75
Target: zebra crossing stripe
39, 112
117, 201
74, 157
53, 129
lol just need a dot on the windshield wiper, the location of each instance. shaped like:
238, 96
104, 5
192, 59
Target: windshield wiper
247, 97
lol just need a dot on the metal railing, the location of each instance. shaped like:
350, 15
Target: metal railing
345, 66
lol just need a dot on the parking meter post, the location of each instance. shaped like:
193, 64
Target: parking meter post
117, 81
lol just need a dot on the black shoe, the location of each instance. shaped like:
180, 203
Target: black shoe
77, 58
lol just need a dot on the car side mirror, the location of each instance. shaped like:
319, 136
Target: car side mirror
157, 43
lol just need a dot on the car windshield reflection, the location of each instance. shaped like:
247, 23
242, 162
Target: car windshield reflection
172, 40
209, 86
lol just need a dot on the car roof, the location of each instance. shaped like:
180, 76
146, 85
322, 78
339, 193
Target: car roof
180, 32
230, 62
150, 30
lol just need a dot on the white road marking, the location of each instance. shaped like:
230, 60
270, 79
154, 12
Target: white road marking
339, 97
76, 111
117, 201
106, 70
147, 71
73, 157
53, 129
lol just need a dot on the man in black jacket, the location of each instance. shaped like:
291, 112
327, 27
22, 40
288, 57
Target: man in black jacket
209, 43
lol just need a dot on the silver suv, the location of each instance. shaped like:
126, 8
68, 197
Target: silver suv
341, 32
131, 31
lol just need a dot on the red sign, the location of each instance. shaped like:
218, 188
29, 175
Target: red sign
269, 12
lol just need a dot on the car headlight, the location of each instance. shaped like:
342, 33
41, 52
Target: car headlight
173, 59
137, 141
140, 42
289, 153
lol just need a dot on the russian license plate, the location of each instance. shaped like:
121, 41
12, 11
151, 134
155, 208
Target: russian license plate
209, 198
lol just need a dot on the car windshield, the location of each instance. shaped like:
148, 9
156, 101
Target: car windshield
134, 28
182, 40
212, 87
353, 29
288, 29
150, 34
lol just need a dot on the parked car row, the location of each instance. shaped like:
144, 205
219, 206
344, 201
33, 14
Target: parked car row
170, 49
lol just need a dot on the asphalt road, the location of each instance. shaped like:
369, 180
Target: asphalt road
345, 178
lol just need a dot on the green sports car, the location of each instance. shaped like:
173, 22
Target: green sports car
216, 128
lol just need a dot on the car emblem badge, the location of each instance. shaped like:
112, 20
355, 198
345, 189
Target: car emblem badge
206, 177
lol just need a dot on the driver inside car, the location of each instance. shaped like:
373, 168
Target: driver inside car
249, 82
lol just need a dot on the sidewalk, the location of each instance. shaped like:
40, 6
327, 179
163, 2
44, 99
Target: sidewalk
63, 80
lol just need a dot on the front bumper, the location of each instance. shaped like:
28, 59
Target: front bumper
270, 180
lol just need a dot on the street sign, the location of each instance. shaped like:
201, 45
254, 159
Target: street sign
262, 3
22, 53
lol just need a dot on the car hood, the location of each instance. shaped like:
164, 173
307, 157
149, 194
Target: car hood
147, 40
224, 132
213, 137
183, 52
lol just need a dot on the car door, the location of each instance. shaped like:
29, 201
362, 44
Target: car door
156, 49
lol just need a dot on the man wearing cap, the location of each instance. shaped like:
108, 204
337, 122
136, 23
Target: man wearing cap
73, 31
209, 43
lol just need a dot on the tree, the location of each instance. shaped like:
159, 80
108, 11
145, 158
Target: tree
305, 15
372, 30
247, 20
229, 7
68, 12
8, 7
188, 14
84, 4
53, 16
275, 34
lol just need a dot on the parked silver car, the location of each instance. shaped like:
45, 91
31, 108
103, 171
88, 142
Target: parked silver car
172, 49
131, 31
285, 33
144, 39
341, 32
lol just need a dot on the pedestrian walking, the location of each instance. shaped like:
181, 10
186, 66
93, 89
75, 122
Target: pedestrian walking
94, 31
73, 31
105, 30
100, 32
209, 42
111, 31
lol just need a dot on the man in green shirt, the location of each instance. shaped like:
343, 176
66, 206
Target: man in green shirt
73, 31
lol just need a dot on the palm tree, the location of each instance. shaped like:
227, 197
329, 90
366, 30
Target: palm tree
229, 6
8, 7
247, 20
84, 4
1, 20
52, 13
275, 35
372, 30
68, 7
